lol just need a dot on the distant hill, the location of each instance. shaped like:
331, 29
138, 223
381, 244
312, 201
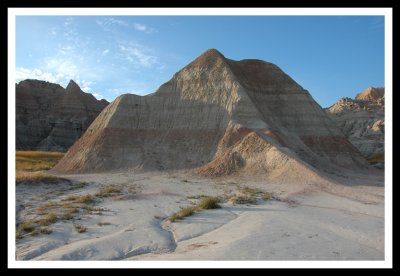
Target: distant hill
362, 120
51, 118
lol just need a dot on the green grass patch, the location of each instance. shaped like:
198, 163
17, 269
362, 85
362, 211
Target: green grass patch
185, 212
209, 203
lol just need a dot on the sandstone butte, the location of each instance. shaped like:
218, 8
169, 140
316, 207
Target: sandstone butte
51, 118
217, 117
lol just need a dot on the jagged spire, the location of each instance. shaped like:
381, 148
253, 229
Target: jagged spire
72, 87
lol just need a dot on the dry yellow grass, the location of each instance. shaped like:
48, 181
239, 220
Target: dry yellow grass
25, 176
80, 228
209, 203
185, 212
47, 220
242, 199
37, 160
376, 158
29, 165
108, 191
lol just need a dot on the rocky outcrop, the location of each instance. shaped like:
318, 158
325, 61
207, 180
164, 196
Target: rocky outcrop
362, 120
51, 118
217, 117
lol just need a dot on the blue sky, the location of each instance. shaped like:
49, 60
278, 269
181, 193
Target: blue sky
330, 56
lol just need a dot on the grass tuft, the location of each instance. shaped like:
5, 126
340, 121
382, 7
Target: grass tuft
26, 227
45, 231
266, 196
86, 199
250, 191
108, 191
67, 216
80, 228
47, 220
18, 235
242, 199
209, 203
185, 212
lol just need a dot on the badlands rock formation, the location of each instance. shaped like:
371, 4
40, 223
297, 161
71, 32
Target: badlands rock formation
218, 117
51, 118
362, 121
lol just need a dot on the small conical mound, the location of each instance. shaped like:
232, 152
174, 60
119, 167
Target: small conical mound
217, 117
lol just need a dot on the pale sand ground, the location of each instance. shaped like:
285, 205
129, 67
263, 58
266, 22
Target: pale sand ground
306, 223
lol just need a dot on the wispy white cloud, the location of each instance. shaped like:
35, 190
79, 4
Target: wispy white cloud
22, 73
66, 49
85, 85
105, 52
68, 22
74, 55
143, 28
63, 66
108, 23
119, 22
140, 27
139, 55
111, 24
69, 27
60, 78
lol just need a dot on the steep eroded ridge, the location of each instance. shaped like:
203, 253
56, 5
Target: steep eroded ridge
51, 118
